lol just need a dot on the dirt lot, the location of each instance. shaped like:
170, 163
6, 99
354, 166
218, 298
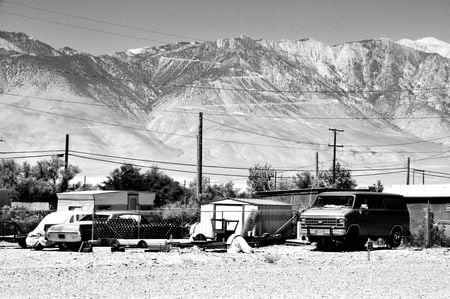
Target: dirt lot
271, 272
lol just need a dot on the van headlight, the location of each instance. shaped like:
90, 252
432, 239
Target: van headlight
302, 221
341, 222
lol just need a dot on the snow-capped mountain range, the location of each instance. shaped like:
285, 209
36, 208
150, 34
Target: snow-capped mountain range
262, 102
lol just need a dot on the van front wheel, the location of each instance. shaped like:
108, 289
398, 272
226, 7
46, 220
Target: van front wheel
395, 238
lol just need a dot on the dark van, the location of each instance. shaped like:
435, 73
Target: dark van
352, 217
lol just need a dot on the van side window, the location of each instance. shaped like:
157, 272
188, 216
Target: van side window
359, 201
394, 203
375, 202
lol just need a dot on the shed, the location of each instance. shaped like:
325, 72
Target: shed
417, 198
244, 216
105, 200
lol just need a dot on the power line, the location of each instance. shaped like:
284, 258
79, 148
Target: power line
318, 91
56, 100
220, 140
31, 152
101, 21
146, 166
398, 144
321, 144
431, 171
84, 28
96, 121
179, 163
289, 117
26, 157
226, 114
264, 135
436, 175
380, 173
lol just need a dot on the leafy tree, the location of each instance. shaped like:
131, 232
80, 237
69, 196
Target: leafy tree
220, 191
66, 175
378, 187
260, 177
36, 183
9, 177
303, 180
126, 177
344, 178
31, 189
167, 190
9, 174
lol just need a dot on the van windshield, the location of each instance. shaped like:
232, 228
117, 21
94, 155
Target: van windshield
333, 201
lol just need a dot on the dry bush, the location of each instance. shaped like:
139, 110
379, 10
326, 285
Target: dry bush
437, 235
271, 258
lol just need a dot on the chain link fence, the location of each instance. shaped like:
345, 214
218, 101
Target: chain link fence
154, 224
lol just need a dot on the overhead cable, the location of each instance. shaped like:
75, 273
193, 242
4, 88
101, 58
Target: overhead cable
101, 21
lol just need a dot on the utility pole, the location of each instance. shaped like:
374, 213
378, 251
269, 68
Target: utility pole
423, 177
334, 152
66, 154
317, 164
199, 155
276, 180
408, 168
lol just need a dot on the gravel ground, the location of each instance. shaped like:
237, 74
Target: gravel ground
271, 272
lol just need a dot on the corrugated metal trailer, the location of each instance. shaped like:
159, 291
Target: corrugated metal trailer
255, 217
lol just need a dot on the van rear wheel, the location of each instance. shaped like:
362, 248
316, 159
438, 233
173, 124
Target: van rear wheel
395, 238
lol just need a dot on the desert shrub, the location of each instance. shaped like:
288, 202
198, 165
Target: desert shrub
437, 235
271, 258
25, 219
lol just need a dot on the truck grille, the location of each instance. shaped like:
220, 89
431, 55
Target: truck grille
321, 222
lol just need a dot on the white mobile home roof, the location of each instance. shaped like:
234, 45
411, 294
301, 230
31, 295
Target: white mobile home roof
86, 195
439, 190
250, 201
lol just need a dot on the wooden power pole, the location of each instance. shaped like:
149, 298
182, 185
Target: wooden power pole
66, 153
334, 145
199, 155
408, 169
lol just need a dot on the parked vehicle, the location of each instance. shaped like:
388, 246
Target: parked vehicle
37, 238
108, 227
353, 217
11, 232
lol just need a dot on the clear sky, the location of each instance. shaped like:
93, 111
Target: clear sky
329, 21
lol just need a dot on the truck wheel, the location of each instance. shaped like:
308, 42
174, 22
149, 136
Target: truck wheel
395, 238
323, 244
38, 246
22, 243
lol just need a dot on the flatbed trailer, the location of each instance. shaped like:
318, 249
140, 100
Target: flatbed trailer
11, 232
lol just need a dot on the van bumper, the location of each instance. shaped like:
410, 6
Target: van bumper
324, 232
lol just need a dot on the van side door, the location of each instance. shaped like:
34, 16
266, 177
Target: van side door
380, 217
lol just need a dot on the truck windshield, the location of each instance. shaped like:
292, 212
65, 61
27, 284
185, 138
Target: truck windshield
331, 201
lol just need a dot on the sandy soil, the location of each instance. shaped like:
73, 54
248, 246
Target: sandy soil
271, 272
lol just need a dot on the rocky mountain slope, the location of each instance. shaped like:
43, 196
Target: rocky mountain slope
262, 102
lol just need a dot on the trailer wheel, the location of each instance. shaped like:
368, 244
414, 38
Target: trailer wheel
199, 237
142, 244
